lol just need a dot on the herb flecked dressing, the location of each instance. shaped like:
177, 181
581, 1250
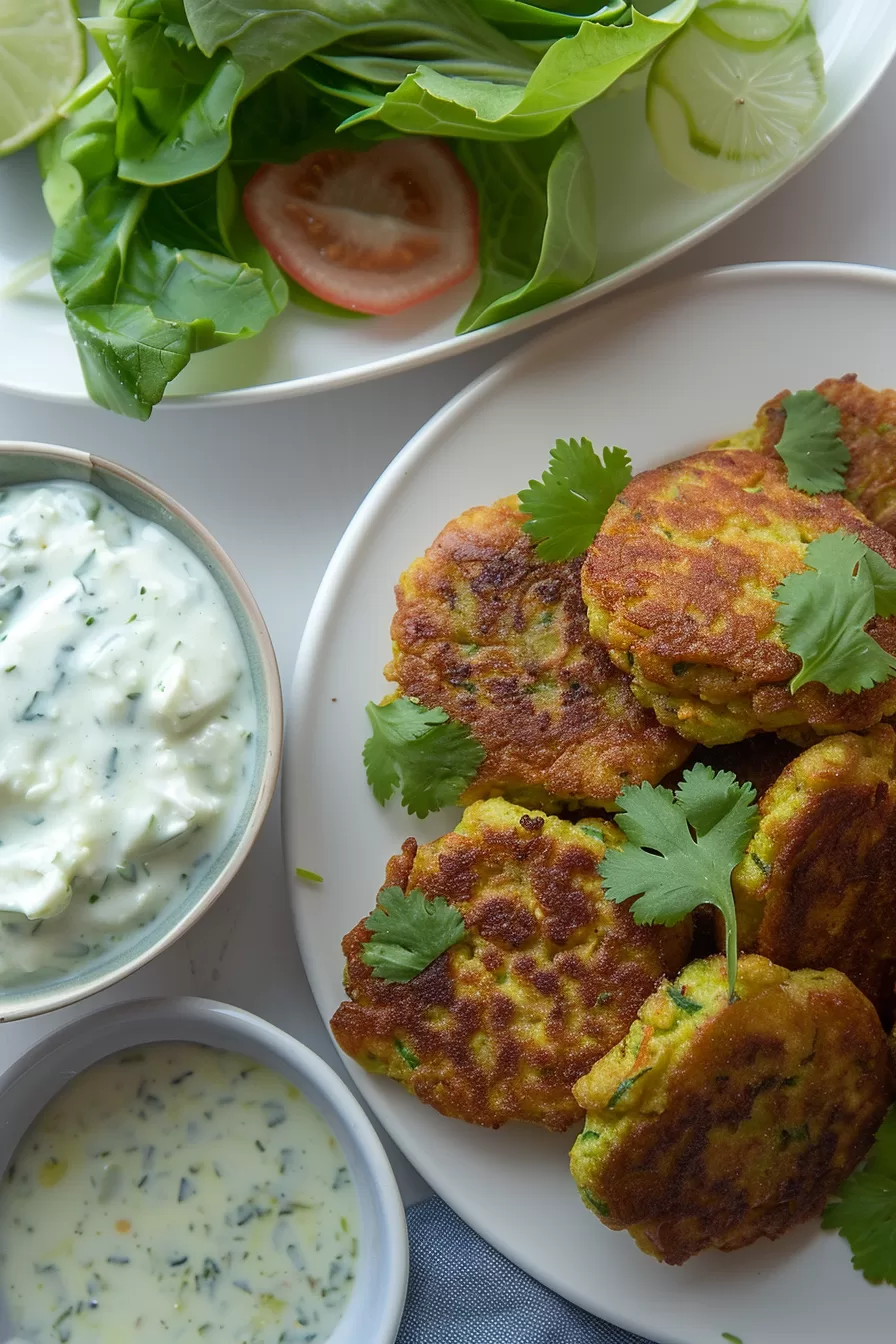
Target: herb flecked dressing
178, 1192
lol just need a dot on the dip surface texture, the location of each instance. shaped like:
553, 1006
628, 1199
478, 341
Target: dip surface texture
127, 721
178, 1192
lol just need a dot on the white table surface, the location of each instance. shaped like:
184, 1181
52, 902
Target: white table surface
277, 485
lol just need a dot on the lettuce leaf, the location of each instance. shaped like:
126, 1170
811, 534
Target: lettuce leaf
538, 233
572, 72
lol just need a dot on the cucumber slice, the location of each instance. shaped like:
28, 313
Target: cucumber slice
720, 115
742, 24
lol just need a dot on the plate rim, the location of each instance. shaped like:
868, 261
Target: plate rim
324, 609
457, 345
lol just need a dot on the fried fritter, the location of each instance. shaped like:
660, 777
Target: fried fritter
679, 584
499, 640
714, 1123
817, 885
867, 427
548, 977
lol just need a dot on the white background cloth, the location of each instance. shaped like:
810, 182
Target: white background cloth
277, 485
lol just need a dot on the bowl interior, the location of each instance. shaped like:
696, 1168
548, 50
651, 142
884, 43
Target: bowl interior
24, 464
375, 1305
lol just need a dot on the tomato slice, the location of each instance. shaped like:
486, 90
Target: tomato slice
374, 231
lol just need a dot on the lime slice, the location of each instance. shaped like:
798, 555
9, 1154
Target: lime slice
747, 25
721, 115
41, 61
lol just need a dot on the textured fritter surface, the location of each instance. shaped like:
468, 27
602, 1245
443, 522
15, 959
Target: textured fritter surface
732, 1121
500, 641
549, 976
679, 584
868, 428
817, 885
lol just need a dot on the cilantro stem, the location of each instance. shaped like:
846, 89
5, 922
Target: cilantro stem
731, 951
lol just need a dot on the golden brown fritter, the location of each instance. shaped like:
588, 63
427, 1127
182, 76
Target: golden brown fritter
548, 977
499, 640
714, 1123
679, 584
867, 427
817, 885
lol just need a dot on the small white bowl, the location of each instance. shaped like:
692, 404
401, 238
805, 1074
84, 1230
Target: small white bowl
374, 1309
33, 463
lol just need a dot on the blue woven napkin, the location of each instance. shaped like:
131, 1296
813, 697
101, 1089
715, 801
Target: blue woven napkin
461, 1291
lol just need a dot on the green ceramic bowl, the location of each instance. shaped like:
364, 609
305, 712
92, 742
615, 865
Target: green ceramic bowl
22, 463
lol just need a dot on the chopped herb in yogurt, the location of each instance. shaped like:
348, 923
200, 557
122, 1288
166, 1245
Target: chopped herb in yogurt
127, 720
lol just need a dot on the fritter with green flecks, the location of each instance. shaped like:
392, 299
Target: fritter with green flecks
548, 976
499, 640
817, 885
867, 427
715, 1123
679, 586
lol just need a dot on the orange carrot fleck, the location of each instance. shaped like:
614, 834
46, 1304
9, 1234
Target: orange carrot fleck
642, 1049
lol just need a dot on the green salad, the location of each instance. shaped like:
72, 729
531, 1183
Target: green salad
357, 156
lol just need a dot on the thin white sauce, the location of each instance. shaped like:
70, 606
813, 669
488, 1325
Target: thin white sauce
126, 717
176, 1192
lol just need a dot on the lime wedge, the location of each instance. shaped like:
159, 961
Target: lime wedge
745, 24
721, 115
41, 61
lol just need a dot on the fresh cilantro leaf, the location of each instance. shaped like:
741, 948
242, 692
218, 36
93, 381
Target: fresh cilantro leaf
865, 1211
883, 576
431, 757
811, 447
824, 611
569, 503
682, 850
409, 932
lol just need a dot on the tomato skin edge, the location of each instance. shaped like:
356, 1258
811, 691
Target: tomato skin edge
336, 294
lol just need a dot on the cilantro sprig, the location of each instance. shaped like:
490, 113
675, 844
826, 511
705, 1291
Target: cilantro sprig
409, 932
865, 1211
422, 751
811, 447
825, 608
569, 503
682, 849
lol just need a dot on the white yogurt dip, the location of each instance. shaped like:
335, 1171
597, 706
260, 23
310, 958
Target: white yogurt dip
126, 719
177, 1192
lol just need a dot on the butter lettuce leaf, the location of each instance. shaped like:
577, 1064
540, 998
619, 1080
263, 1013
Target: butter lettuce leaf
572, 72
538, 231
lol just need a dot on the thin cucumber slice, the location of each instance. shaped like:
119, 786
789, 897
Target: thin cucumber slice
747, 25
41, 61
720, 115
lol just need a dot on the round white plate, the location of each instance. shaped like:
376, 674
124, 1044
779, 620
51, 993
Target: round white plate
661, 373
644, 219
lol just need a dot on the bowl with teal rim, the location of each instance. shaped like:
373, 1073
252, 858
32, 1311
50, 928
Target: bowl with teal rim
38, 463
373, 1312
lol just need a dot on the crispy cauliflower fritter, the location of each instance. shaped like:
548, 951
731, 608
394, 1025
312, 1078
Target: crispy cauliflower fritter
817, 885
714, 1123
500, 641
549, 975
679, 585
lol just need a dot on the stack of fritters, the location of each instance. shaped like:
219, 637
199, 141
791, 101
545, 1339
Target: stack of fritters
709, 1122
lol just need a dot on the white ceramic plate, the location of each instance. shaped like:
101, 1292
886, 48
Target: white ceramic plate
661, 373
644, 220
